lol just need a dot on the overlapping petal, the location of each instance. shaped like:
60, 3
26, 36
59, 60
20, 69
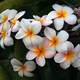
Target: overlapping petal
40, 61
49, 32
58, 23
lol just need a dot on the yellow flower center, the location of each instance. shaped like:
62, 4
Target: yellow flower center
4, 19
42, 20
13, 22
69, 55
3, 34
62, 14
54, 41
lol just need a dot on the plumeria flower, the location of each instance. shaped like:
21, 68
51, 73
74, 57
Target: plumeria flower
61, 14
7, 15
12, 16
43, 20
23, 69
55, 41
15, 24
67, 56
40, 52
5, 38
28, 32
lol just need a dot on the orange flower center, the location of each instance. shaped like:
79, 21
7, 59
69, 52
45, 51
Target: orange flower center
29, 33
23, 68
62, 14
54, 41
39, 51
69, 55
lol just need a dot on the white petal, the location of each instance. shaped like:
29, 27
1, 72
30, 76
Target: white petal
28, 74
65, 65
36, 17
8, 41
36, 40
20, 34
59, 58
49, 32
49, 53
71, 19
20, 14
62, 47
30, 55
77, 49
16, 68
27, 42
47, 22
68, 9
40, 61
76, 63
36, 26
2, 43
67, 45
25, 24
15, 64
52, 15
5, 12
70, 45
58, 23
16, 27
12, 13
31, 66
57, 7
20, 73
63, 35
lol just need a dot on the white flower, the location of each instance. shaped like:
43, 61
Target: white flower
23, 69
5, 38
12, 16
40, 52
55, 41
67, 56
7, 15
28, 32
15, 24
61, 14
43, 20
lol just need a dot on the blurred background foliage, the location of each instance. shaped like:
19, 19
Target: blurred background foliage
51, 71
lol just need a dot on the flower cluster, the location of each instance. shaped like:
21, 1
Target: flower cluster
9, 23
54, 43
